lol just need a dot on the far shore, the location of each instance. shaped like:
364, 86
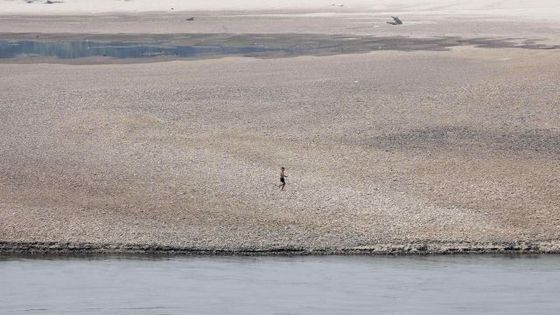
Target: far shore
521, 9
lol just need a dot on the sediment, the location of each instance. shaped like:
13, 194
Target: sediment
386, 152
429, 248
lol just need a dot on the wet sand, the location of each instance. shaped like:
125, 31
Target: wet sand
423, 151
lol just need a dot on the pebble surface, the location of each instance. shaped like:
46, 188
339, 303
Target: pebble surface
390, 151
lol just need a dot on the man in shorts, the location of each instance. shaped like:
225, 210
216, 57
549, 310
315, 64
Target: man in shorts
282, 178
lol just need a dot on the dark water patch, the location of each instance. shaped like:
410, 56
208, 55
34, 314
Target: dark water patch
83, 49
463, 138
73, 46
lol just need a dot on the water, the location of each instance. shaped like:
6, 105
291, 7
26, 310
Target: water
83, 49
72, 46
272, 285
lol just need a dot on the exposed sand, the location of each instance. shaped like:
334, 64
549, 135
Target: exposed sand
389, 151
531, 9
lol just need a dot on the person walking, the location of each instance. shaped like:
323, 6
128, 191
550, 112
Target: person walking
282, 178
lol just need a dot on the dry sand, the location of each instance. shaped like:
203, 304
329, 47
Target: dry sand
386, 151
531, 9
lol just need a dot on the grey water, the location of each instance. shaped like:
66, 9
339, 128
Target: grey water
84, 49
281, 285
72, 46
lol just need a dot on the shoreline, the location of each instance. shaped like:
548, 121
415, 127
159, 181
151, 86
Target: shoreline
30, 249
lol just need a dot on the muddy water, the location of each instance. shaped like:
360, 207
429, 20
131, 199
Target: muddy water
272, 285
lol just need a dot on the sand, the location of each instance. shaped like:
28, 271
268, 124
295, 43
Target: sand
526, 9
386, 152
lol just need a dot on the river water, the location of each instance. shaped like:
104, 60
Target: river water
281, 285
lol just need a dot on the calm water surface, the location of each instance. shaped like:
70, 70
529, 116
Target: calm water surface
269, 285
221, 45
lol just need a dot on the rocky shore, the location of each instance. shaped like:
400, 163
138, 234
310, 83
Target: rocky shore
430, 248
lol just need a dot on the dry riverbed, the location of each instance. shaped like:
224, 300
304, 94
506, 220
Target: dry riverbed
422, 150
